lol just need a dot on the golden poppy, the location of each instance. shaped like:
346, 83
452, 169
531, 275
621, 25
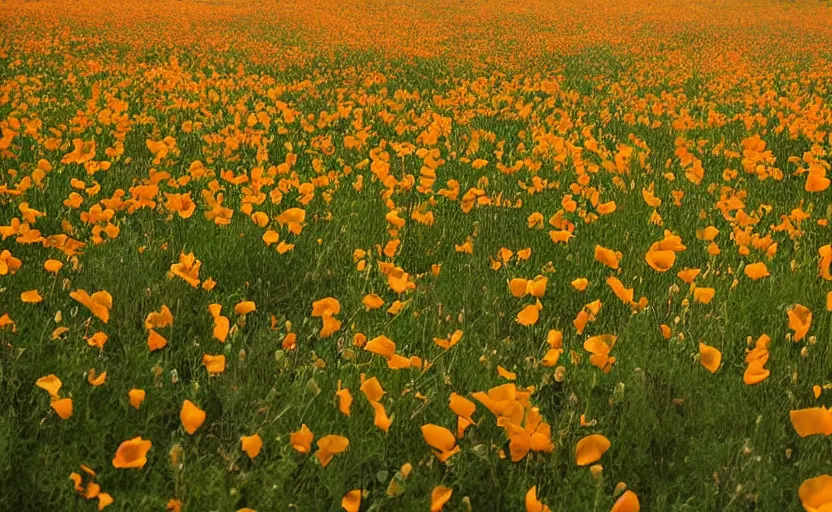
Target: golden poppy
96, 381
245, 307
800, 319
608, 257
159, 320
441, 440
703, 295
580, 284
99, 303
816, 494
251, 445
192, 417
31, 297
372, 301
627, 502
136, 397
329, 446
132, 453
811, 421
756, 271
63, 407
51, 384
532, 503
214, 364
187, 269
660, 260
709, 357
155, 341
344, 399
301, 440
529, 314
439, 497
351, 502
590, 449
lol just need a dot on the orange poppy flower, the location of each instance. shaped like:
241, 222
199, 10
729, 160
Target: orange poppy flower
532, 503
627, 502
96, 381
451, 341
703, 295
529, 314
816, 494
99, 303
580, 284
660, 260
812, 421
214, 364
688, 275
709, 357
251, 445
62, 406
31, 297
221, 323
52, 266
301, 440
344, 399
351, 502
245, 307
756, 271
187, 268
800, 319
132, 454
381, 345
441, 440
159, 320
590, 449
192, 417
439, 497
329, 446
51, 384
155, 341
136, 397
608, 257
372, 301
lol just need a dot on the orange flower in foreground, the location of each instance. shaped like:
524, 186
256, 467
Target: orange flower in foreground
812, 421
99, 303
251, 445
31, 297
590, 449
132, 453
816, 494
441, 440
627, 502
51, 384
532, 503
63, 407
351, 502
800, 319
136, 397
756, 271
187, 268
709, 357
439, 497
214, 364
608, 257
301, 440
192, 417
329, 446
245, 307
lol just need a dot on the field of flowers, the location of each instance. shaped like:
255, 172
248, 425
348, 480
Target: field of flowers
387, 255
